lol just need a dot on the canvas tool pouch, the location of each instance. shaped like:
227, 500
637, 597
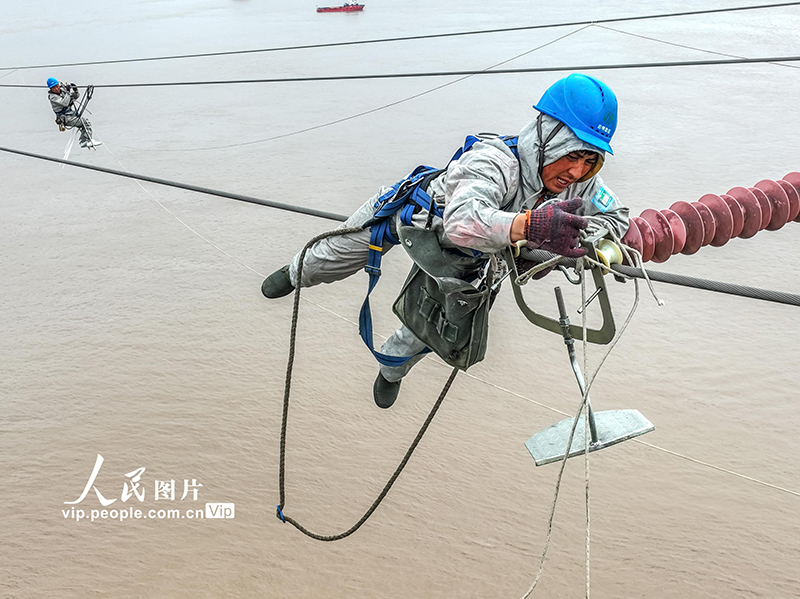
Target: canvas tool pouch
444, 311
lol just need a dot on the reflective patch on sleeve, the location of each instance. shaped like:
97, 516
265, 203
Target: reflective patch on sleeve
603, 199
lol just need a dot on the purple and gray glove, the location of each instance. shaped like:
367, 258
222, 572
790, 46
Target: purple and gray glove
556, 228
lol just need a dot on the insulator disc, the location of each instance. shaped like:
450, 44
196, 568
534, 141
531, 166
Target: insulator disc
663, 234
794, 179
794, 198
737, 212
709, 222
780, 203
766, 206
633, 239
678, 229
752, 210
723, 219
695, 231
648, 238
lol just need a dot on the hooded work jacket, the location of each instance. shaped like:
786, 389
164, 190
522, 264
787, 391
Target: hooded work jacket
62, 103
488, 186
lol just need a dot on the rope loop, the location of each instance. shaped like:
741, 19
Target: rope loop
286, 393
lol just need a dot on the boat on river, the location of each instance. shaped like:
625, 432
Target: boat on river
346, 7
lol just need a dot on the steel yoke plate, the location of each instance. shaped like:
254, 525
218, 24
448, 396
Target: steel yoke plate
613, 426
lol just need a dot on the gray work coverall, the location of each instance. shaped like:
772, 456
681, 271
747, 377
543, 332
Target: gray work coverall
63, 105
481, 193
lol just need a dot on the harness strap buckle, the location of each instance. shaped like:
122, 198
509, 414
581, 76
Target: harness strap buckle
428, 307
447, 330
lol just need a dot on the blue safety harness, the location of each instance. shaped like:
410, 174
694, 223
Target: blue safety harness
408, 197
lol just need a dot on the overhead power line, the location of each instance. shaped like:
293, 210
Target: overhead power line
595, 67
780, 297
207, 190
409, 38
675, 279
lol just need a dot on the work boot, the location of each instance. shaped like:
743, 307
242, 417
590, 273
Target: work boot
95, 142
277, 284
385, 392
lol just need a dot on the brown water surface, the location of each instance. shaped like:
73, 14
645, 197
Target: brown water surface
132, 324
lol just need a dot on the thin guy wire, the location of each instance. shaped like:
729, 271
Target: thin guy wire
684, 46
501, 388
366, 112
185, 224
516, 395
586, 438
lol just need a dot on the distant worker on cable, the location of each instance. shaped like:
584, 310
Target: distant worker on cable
62, 98
540, 188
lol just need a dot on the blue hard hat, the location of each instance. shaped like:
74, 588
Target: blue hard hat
584, 104
52, 82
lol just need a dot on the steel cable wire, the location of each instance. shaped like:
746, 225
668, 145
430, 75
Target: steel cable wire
536, 255
411, 37
769, 295
415, 75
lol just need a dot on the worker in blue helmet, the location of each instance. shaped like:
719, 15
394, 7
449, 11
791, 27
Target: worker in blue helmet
497, 191
63, 97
